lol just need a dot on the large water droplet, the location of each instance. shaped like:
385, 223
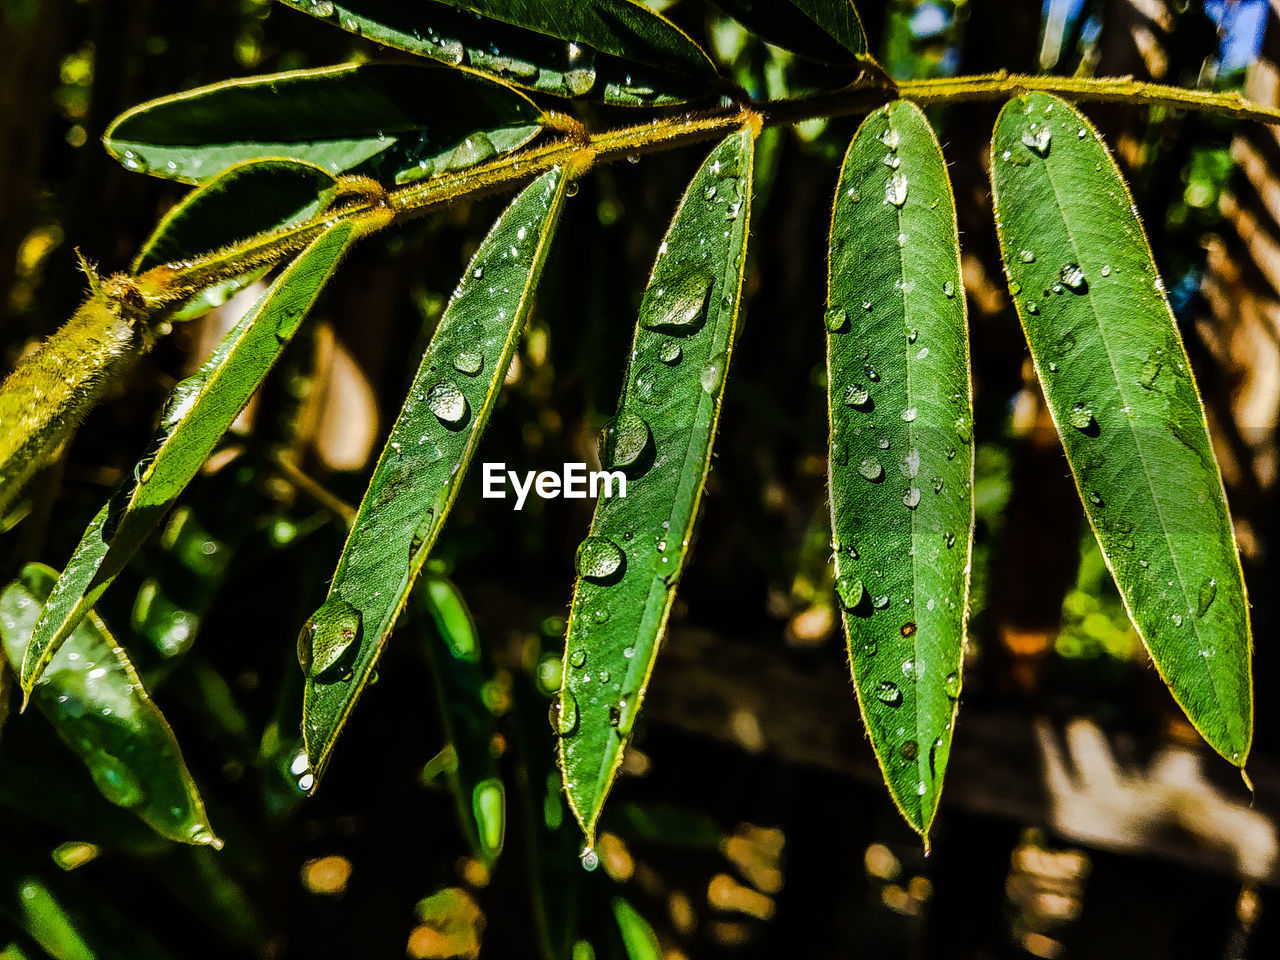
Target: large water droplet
1208, 591
472, 150
446, 401
1072, 277
328, 636
909, 749
678, 305
598, 558
911, 499
895, 189
888, 692
871, 469
835, 319
468, 362
1081, 416
856, 395
1038, 139
626, 439
712, 374
578, 659
850, 591
670, 352
563, 714
181, 400
952, 684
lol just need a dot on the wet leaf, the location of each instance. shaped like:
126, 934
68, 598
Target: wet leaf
97, 704
617, 51
1120, 388
425, 460
901, 456
198, 413
661, 441
377, 118
462, 685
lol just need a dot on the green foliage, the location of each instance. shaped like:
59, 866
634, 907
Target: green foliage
901, 457
1123, 397
291, 169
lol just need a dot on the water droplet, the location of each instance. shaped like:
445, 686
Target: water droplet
948, 289
952, 684
888, 692
446, 401
1026, 256
871, 469
856, 395
911, 499
1072, 277
880, 602
835, 319
598, 558
909, 414
1177, 619
949, 539
181, 400
712, 375
1096, 498
590, 859
964, 430
578, 659
891, 138
1151, 369
678, 305
327, 637
625, 440
1081, 416
850, 591
937, 484
1037, 139
921, 789
895, 189
869, 648
1208, 591
322, 8
472, 150
468, 363
603, 676
670, 352
909, 749
563, 714
1031, 307
709, 193
1106, 270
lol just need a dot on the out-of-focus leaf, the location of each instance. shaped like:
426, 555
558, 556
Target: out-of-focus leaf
424, 461
901, 460
638, 938
97, 704
617, 51
457, 663
828, 31
382, 118
199, 412
630, 563
1122, 395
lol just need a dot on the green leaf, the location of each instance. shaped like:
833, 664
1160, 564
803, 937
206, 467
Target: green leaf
377, 118
462, 684
638, 939
661, 440
97, 704
829, 31
1120, 388
901, 459
198, 413
423, 463
618, 51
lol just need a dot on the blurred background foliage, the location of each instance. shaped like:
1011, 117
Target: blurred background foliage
1082, 816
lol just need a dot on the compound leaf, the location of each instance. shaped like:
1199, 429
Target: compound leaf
380, 118
1121, 392
901, 460
661, 441
198, 413
423, 463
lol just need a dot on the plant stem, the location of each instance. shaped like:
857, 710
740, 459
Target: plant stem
579, 150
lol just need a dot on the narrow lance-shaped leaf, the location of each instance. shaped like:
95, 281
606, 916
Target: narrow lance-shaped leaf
198, 413
901, 459
617, 51
423, 463
382, 118
461, 685
1121, 392
97, 704
661, 439
829, 31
